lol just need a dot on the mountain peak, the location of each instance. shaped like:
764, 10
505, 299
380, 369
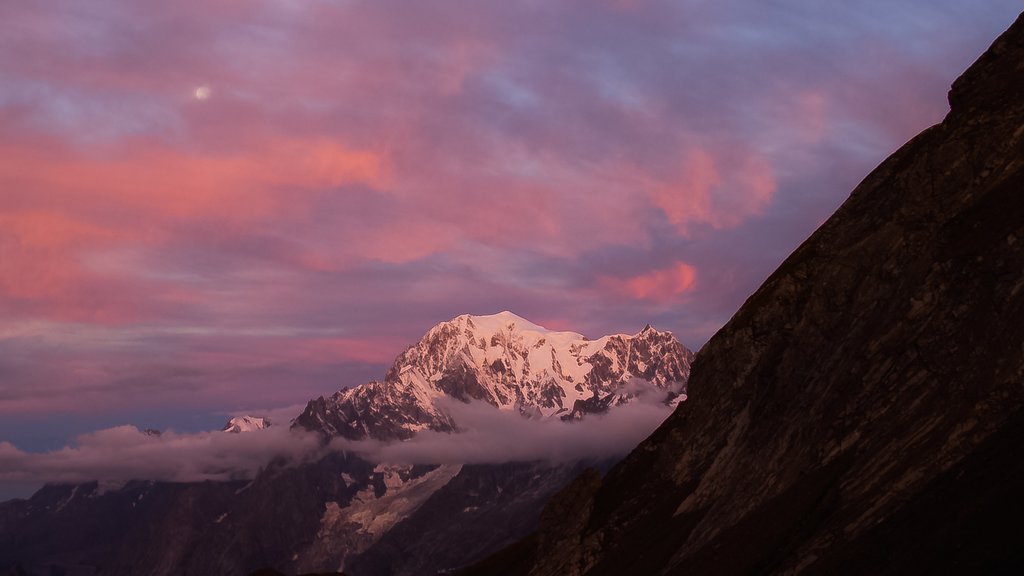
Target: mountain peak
240, 424
492, 323
505, 315
506, 361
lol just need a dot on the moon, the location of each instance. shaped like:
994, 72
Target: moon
202, 93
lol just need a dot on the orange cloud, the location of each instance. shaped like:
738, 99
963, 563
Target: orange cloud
662, 286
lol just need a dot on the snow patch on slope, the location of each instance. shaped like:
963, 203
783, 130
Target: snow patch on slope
375, 516
355, 526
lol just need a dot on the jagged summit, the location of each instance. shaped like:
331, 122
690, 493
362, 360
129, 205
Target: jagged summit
509, 362
240, 424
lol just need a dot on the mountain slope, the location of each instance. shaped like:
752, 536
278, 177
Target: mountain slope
862, 412
505, 361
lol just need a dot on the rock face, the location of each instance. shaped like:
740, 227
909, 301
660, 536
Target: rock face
862, 412
156, 528
483, 509
508, 362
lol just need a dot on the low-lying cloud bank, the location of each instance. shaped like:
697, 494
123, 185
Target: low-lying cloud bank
492, 436
127, 453
488, 436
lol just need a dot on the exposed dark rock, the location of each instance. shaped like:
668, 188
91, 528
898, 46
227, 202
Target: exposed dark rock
462, 384
564, 516
224, 528
862, 412
593, 405
483, 509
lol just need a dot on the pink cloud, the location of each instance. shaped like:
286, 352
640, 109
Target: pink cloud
49, 271
720, 189
688, 199
171, 183
661, 286
34, 249
400, 238
73, 217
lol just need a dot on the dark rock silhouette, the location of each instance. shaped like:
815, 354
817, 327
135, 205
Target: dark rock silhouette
862, 412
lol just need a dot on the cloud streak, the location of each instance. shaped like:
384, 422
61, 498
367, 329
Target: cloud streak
664, 285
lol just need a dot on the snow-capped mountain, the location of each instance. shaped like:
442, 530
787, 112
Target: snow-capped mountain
508, 362
240, 424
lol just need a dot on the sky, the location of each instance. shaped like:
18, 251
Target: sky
228, 206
